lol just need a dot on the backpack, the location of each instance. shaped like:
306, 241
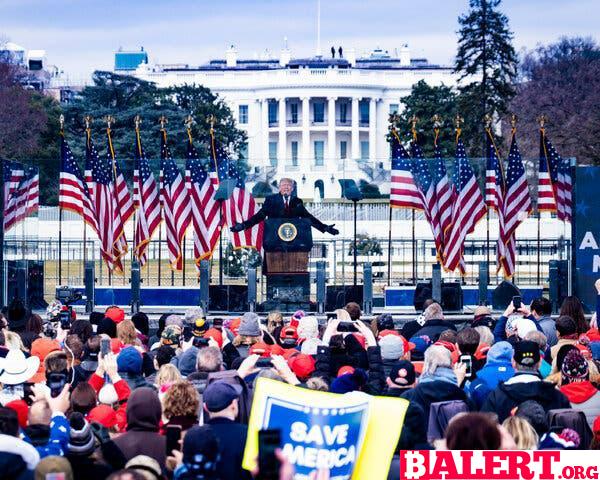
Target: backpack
245, 400
575, 420
440, 414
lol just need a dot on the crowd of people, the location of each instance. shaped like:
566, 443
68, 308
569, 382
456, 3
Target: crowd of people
100, 398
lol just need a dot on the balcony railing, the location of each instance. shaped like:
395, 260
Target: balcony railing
345, 122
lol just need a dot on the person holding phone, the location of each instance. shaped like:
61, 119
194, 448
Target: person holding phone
515, 307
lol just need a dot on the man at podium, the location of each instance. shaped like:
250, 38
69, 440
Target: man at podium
283, 205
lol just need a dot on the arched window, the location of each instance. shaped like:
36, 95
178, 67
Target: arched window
319, 190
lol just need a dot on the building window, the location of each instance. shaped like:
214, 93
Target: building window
394, 107
294, 113
273, 153
319, 112
272, 113
343, 113
243, 114
343, 149
319, 153
364, 112
294, 154
320, 188
364, 150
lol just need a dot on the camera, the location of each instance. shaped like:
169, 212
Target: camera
200, 342
67, 295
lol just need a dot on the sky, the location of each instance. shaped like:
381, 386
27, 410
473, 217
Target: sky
81, 36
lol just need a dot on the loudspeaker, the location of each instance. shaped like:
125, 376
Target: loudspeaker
25, 279
252, 289
228, 298
136, 280
503, 295
559, 283
339, 295
452, 296
321, 287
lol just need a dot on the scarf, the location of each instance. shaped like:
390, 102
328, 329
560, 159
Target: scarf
442, 374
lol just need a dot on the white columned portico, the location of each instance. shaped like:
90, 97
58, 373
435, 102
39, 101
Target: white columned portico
282, 141
354, 131
305, 160
331, 143
373, 129
264, 122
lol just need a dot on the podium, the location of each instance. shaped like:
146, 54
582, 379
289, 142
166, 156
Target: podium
287, 244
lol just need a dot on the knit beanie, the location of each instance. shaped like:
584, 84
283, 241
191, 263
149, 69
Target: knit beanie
392, 347
81, 439
249, 326
349, 382
130, 361
566, 439
500, 353
385, 321
575, 368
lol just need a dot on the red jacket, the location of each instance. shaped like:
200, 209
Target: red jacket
123, 391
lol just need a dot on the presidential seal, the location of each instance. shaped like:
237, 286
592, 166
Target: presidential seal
287, 232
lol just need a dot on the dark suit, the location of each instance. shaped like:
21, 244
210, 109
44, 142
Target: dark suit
274, 207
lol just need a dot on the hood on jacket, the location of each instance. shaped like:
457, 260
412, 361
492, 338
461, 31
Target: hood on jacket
439, 391
143, 410
579, 392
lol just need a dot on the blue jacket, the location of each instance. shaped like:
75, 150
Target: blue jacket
487, 379
58, 441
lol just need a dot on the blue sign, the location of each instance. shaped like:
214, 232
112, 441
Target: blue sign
586, 234
318, 437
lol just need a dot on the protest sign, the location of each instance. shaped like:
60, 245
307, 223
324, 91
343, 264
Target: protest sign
353, 435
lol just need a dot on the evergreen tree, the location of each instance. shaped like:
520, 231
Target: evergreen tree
424, 102
486, 59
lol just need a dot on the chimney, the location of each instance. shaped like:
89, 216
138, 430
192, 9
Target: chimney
351, 56
286, 55
231, 57
404, 56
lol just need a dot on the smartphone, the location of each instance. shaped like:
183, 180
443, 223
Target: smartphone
173, 437
64, 317
264, 363
105, 346
268, 464
467, 360
347, 327
200, 342
56, 382
516, 302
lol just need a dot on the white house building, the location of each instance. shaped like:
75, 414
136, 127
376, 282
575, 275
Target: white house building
316, 119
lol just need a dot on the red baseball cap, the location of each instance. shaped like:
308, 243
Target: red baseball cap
116, 314
345, 370
289, 353
104, 415
302, 365
289, 332
260, 348
215, 334
22, 410
278, 350
360, 339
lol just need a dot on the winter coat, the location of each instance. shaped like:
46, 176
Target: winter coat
433, 328
143, 418
523, 386
49, 440
12, 466
88, 468
487, 379
11, 446
585, 397
548, 326
414, 429
424, 394
232, 442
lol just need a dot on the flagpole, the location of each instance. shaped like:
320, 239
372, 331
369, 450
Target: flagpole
60, 210
162, 121
88, 120
413, 122
487, 128
542, 122
393, 118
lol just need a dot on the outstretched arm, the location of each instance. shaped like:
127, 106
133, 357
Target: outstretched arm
253, 220
315, 222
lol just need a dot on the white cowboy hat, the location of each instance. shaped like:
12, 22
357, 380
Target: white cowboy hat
16, 369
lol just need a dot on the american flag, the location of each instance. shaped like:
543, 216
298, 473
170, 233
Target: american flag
517, 205
494, 176
241, 205
565, 191
13, 173
403, 190
125, 207
445, 195
205, 210
467, 210
176, 207
426, 186
73, 191
99, 178
145, 198
24, 200
547, 175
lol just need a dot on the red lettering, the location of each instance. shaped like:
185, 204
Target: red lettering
568, 472
592, 473
546, 457
518, 465
467, 456
444, 465
493, 465
579, 473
